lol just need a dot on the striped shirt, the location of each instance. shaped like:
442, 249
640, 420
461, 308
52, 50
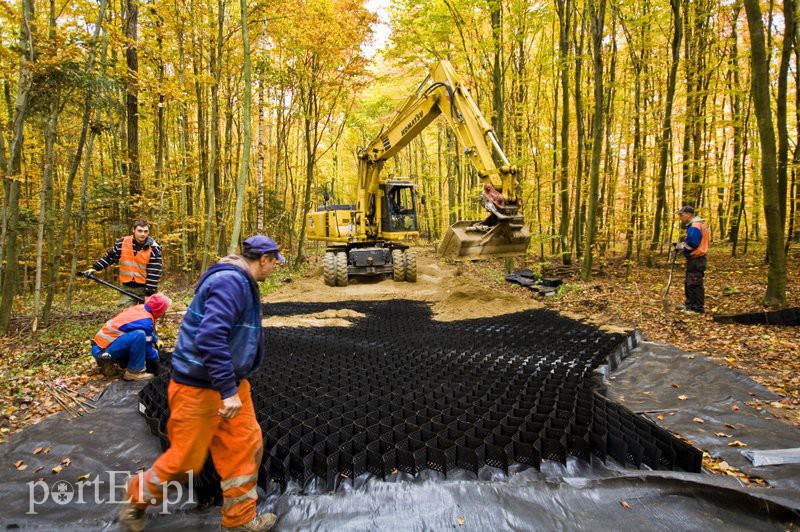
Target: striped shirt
153, 266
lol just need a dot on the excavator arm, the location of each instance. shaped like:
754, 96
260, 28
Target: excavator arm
443, 92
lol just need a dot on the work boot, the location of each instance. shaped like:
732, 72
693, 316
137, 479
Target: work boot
260, 523
131, 519
137, 375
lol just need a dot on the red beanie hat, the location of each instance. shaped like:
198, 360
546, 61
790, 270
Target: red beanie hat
158, 304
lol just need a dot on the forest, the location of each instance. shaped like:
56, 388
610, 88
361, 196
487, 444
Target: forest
215, 119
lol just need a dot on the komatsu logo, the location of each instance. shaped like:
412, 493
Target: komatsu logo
417, 118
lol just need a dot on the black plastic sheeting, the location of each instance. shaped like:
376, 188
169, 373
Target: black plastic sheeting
578, 495
400, 392
787, 316
651, 380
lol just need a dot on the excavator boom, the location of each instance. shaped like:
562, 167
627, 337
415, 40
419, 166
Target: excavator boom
503, 233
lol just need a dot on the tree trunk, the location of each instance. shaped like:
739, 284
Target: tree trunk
132, 96
735, 90
666, 131
602, 217
598, 10
638, 169
45, 197
794, 235
6, 188
260, 225
498, 117
27, 58
161, 105
783, 89
579, 122
79, 224
214, 166
564, 15
248, 136
554, 173
55, 261
193, 192
776, 277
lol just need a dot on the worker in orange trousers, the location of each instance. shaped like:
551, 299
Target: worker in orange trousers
219, 345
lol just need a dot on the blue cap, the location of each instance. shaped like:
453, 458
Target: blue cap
257, 245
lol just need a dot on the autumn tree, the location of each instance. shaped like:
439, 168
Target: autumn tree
776, 278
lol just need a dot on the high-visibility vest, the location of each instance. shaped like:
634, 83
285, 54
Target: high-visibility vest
111, 330
133, 268
702, 249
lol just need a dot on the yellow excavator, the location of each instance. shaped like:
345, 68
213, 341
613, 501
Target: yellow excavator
372, 237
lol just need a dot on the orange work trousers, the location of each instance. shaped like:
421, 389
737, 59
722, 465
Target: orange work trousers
194, 428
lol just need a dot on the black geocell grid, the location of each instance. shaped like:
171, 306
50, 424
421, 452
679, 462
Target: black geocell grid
398, 391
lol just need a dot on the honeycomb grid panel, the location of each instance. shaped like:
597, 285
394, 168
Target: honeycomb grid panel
400, 392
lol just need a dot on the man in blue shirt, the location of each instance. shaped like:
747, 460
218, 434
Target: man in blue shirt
695, 247
219, 346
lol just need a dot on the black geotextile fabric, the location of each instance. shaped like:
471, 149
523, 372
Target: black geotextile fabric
400, 392
676, 388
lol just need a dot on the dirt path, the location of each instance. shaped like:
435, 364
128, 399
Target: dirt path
453, 294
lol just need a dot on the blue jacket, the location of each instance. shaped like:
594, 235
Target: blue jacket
145, 325
694, 236
220, 341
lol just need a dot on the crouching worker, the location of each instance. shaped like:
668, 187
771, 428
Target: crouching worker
219, 346
128, 339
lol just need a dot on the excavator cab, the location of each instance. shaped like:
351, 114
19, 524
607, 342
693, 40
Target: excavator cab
398, 209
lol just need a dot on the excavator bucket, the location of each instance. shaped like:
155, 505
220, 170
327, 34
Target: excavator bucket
471, 240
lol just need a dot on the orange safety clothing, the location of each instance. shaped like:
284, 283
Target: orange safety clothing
194, 428
702, 249
133, 267
112, 329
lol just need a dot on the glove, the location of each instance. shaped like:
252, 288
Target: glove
89, 272
152, 365
680, 246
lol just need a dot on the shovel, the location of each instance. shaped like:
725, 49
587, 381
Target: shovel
664, 297
133, 296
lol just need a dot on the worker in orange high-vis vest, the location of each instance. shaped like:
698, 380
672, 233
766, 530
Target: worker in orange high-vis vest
220, 344
139, 259
129, 340
695, 247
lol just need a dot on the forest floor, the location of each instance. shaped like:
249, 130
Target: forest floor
770, 355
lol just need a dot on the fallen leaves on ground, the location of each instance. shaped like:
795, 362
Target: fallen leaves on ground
719, 466
61, 353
